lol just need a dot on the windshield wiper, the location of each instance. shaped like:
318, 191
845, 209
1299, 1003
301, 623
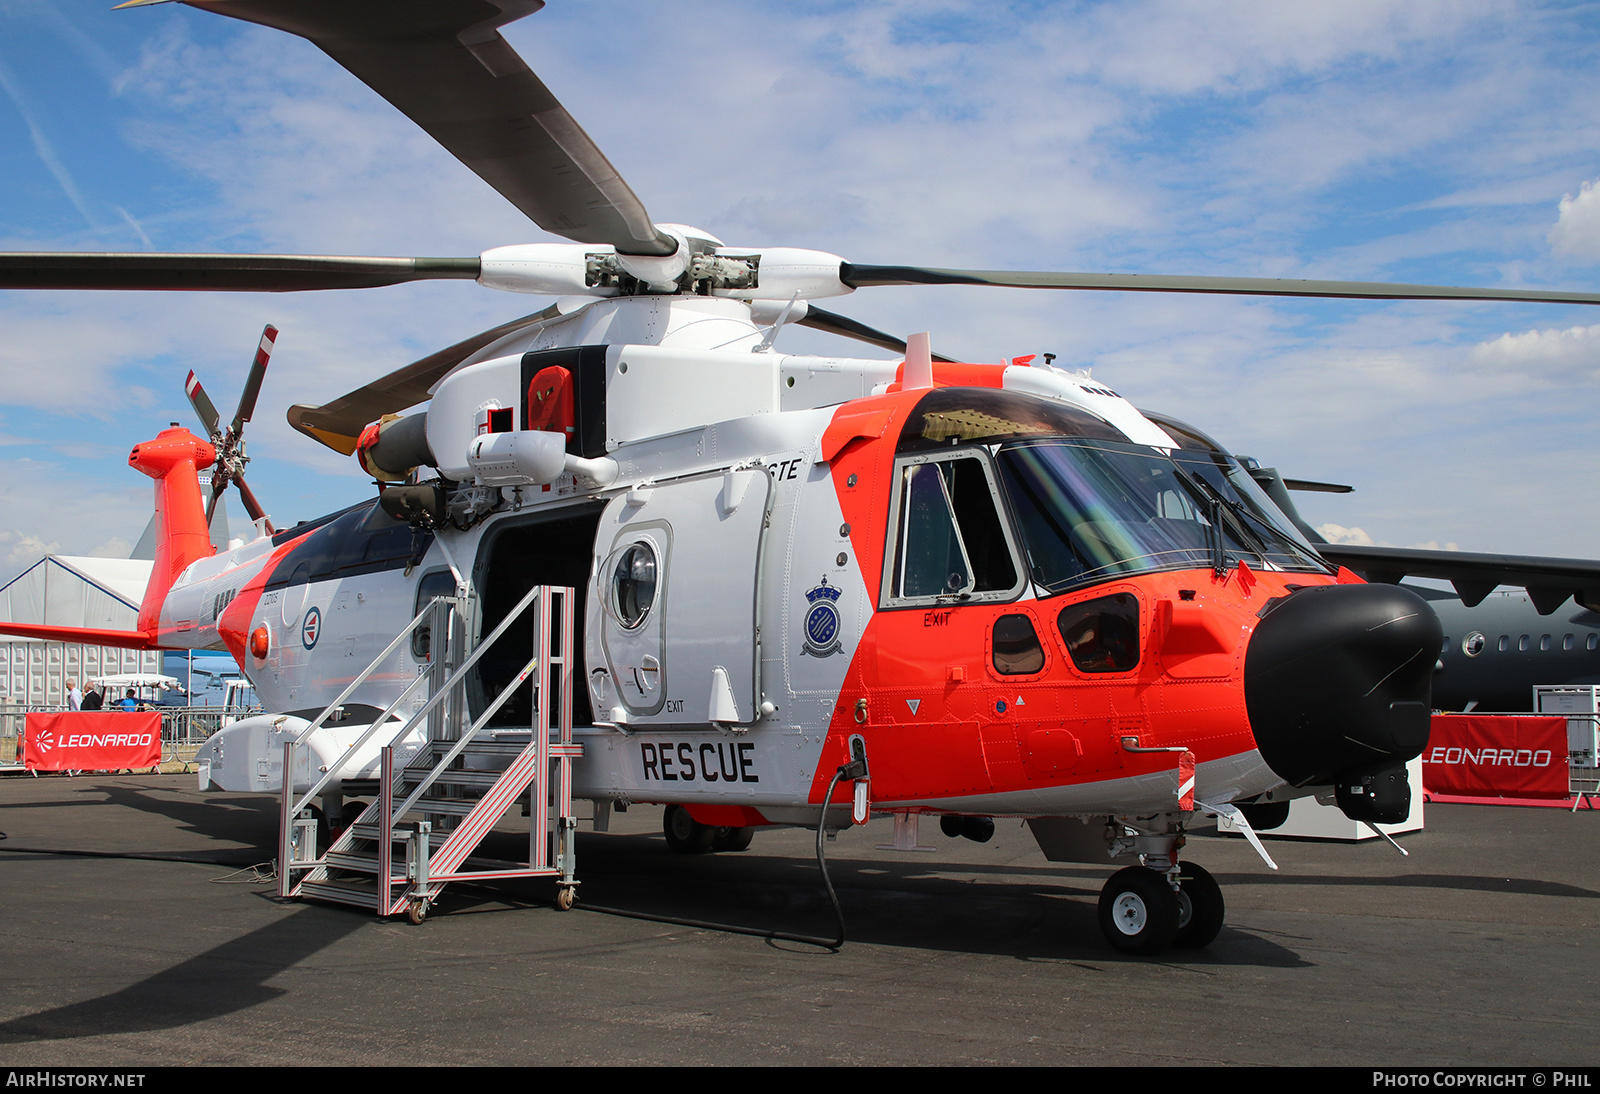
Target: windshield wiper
1216, 502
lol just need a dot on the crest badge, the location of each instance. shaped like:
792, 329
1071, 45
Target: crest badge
822, 620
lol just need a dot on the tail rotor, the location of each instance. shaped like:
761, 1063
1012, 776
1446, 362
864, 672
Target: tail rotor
231, 457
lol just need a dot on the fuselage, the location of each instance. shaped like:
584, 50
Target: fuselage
1024, 597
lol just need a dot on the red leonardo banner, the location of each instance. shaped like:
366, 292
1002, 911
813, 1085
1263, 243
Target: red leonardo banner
92, 741
1497, 755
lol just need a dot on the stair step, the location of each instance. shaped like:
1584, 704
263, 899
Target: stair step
370, 831
509, 749
478, 780
357, 893
365, 862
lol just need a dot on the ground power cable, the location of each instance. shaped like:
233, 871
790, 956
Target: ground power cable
833, 945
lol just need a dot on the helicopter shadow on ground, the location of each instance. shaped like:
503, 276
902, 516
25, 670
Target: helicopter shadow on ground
917, 905
221, 821
227, 978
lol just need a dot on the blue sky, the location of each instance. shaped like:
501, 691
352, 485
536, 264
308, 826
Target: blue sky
1453, 143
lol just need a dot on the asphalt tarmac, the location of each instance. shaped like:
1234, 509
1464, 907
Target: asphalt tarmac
134, 933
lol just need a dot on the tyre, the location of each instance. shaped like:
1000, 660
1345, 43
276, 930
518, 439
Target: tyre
685, 835
1200, 907
733, 839
1138, 911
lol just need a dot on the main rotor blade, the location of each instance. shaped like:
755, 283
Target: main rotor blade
338, 423
444, 65
252, 384
833, 323
222, 273
1313, 487
861, 276
203, 406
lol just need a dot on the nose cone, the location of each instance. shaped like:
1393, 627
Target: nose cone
1339, 677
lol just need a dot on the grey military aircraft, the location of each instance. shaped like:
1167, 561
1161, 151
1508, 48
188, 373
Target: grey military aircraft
1511, 624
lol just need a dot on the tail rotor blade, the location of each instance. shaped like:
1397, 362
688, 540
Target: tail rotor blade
218, 485
252, 385
251, 505
203, 406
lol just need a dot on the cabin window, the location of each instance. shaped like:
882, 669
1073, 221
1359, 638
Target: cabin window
1544, 643
1017, 651
1102, 635
437, 583
1505, 643
951, 544
633, 583
1594, 641
1566, 642
1522, 644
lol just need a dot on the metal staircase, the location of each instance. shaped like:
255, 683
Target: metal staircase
434, 810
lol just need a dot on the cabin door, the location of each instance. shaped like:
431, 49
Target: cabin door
673, 635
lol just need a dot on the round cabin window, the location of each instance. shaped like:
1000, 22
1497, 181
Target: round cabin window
633, 584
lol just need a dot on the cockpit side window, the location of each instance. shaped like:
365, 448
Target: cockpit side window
950, 542
1102, 635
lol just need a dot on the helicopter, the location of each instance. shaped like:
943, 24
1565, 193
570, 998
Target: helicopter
970, 590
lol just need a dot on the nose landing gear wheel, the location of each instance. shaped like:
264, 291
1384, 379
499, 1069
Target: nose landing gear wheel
1200, 907
1138, 911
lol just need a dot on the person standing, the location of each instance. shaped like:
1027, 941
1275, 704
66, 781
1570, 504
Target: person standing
74, 696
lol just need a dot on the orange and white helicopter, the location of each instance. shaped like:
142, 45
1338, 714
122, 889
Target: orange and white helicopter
967, 590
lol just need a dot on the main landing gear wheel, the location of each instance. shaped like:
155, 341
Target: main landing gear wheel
1138, 911
685, 835
1200, 907
733, 839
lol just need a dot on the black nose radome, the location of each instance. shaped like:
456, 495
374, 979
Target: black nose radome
1338, 678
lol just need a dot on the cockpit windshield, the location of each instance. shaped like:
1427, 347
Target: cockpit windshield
1091, 509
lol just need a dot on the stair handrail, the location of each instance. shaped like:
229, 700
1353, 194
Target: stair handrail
316, 723
465, 739
338, 765
445, 689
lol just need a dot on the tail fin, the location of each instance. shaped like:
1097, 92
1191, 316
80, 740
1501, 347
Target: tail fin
174, 459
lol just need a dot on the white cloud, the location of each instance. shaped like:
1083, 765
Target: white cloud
1548, 355
23, 550
1577, 230
1338, 533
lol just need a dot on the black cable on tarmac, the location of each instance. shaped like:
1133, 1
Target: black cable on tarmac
833, 945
